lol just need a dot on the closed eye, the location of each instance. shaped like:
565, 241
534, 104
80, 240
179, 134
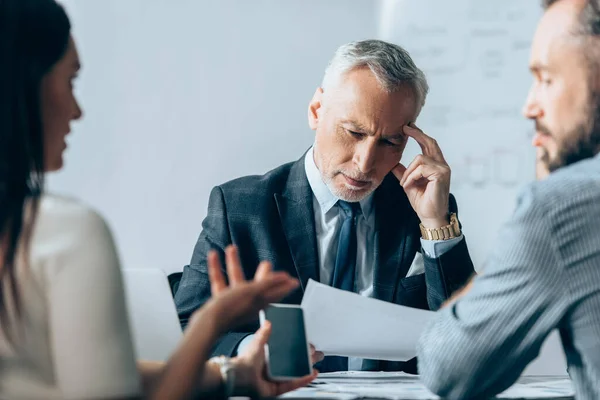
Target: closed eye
543, 78
357, 135
393, 142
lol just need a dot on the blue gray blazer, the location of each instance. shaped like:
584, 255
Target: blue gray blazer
270, 217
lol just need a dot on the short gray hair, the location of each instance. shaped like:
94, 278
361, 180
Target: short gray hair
390, 63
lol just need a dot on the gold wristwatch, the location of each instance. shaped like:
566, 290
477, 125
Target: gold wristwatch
449, 231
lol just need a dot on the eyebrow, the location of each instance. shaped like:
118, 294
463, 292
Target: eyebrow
538, 67
357, 126
360, 128
394, 136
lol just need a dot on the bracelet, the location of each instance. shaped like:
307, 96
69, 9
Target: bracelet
450, 231
227, 374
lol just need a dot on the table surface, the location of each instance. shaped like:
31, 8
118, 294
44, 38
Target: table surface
398, 385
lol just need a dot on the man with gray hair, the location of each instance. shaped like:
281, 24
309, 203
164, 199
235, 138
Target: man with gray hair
348, 213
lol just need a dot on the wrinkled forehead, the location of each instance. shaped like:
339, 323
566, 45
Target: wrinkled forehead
360, 96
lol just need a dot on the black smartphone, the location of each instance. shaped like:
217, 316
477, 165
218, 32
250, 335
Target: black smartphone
287, 352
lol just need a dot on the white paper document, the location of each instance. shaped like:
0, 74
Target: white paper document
348, 324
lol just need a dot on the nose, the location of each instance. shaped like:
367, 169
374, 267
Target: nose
78, 112
531, 108
365, 156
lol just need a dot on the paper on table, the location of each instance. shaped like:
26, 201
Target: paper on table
347, 324
400, 386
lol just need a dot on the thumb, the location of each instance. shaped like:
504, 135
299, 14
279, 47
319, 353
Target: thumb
262, 335
263, 270
256, 348
399, 171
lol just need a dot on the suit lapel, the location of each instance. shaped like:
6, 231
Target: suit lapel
295, 209
393, 222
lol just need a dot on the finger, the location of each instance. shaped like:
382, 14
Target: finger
317, 357
312, 348
215, 273
263, 270
234, 267
414, 164
273, 280
398, 171
261, 337
256, 349
288, 386
422, 172
270, 290
278, 292
428, 145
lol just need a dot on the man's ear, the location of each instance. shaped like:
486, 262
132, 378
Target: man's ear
313, 109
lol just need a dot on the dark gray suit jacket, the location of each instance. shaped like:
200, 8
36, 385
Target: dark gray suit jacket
270, 217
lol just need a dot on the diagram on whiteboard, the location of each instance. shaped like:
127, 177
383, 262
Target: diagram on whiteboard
475, 56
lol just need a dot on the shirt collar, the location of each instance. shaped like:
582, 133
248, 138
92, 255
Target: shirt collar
324, 197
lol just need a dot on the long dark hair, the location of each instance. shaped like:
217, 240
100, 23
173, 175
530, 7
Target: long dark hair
34, 36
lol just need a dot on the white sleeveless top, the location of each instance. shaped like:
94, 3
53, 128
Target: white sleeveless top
73, 338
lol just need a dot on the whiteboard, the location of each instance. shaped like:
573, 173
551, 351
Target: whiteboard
475, 55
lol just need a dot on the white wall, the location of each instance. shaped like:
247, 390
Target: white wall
182, 95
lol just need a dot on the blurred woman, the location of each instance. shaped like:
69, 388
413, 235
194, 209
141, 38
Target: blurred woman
64, 331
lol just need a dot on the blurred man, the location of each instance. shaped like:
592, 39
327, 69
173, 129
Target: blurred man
346, 213
545, 271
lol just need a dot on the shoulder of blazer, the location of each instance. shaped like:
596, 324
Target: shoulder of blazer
280, 180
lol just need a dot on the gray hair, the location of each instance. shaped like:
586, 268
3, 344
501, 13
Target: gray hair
391, 65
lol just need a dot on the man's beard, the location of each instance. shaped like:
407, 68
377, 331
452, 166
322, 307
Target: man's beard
347, 194
580, 143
